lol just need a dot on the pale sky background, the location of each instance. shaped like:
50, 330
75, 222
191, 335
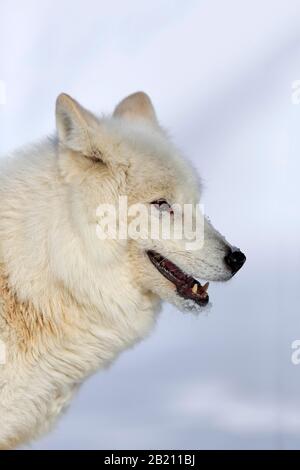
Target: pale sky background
220, 75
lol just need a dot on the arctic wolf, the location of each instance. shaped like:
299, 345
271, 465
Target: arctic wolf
70, 301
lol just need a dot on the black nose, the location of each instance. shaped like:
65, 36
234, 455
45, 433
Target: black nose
235, 260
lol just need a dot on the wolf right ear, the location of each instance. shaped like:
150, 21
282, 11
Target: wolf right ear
135, 107
74, 124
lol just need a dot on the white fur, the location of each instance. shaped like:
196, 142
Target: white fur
94, 297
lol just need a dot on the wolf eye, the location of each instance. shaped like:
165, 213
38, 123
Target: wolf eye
162, 205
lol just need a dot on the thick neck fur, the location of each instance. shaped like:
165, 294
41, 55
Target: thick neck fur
62, 314
36, 217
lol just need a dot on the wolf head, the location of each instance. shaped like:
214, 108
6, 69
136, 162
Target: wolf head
130, 156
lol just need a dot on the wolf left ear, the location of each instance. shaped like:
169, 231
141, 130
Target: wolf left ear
136, 107
74, 124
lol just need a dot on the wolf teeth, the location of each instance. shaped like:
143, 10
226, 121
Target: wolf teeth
195, 288
205, 287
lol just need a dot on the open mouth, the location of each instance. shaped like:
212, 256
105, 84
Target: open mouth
186, 286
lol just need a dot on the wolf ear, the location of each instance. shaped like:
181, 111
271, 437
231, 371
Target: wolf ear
74, 124
137, 106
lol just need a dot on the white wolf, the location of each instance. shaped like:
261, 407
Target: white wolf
70, 302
